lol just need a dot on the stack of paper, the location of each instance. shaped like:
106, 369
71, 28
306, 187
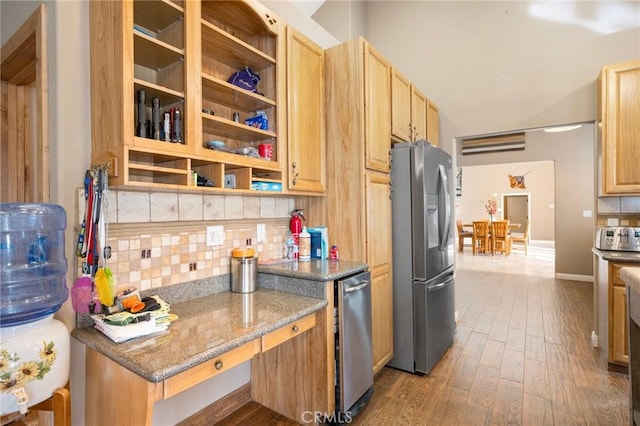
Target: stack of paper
119, 333
134, 325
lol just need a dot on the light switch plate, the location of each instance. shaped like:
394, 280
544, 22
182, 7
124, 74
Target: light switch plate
612, 221
215, 235
261, 232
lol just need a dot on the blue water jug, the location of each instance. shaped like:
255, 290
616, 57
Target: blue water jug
33, 265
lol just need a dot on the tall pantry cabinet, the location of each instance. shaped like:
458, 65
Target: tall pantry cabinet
358, 204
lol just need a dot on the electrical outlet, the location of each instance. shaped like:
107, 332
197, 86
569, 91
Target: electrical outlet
261, 233
215, 235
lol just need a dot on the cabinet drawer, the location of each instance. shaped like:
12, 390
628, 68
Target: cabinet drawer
208, 369
287, 332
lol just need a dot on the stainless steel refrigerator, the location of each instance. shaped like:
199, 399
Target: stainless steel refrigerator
423, 255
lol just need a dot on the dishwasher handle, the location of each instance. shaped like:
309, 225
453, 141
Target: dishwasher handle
358, 287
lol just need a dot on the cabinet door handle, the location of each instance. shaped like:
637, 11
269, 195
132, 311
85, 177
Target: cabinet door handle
295, 174
219, 365
295, 328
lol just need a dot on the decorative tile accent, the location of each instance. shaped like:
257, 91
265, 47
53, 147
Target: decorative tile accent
282, 207
267, 207
630, 204
164, 207
233, 206
213, 206
190, 206
133, 207
166, 255
608, 204
251, 207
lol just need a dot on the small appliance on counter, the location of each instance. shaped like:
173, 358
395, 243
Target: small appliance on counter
618, 238
244, 270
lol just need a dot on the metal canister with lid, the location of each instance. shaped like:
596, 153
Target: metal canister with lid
244, 270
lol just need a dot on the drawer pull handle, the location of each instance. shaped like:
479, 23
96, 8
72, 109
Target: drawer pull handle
219, 365
295, 328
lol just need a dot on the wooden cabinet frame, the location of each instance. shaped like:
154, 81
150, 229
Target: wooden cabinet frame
24, 70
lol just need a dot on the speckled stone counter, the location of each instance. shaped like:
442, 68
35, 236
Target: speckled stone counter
617, 256
207, 327
306, 278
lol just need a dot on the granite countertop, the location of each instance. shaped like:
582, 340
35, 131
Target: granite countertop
631, 277
620, 256
314, 270
207, 327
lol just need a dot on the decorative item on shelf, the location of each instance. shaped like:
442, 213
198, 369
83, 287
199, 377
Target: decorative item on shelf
491, 206
259, 121
246, 79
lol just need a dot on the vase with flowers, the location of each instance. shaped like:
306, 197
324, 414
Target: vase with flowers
491, 206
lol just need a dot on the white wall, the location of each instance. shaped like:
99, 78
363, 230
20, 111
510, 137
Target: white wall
493, 66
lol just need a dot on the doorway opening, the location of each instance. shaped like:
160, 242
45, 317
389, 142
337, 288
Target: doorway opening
516, 208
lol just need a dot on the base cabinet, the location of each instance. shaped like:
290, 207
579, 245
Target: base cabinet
618, 318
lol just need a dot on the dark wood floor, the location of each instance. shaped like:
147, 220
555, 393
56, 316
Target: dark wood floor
521, 356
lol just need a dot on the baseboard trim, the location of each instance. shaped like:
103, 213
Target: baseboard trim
575, 277
220, 409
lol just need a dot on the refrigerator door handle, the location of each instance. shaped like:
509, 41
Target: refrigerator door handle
444, 189
437, 286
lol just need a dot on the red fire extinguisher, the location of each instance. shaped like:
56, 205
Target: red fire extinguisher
295, 227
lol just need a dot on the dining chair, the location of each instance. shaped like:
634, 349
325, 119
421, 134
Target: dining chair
500, 238
522, 237
462, 234
481, 239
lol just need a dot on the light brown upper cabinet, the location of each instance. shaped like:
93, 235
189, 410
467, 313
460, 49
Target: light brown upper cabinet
24, 146
418, 114
433, 123
619, 116
408, 109
305, 114
377, 109
181, 56
401, 127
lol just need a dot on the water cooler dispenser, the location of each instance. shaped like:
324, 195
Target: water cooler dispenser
34, 347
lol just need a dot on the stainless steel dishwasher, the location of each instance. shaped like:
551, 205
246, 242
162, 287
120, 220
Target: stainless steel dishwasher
354, 348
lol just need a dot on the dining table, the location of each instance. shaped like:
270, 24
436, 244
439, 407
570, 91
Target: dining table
511, 226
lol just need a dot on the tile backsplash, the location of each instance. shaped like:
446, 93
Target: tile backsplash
623, 210
159, 239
